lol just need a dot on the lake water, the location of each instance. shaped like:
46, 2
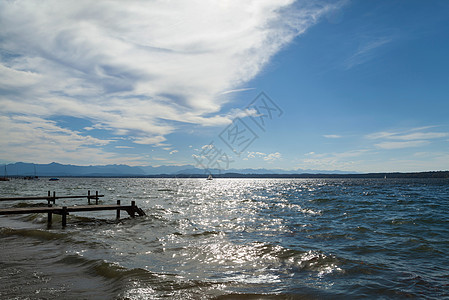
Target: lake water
231, 239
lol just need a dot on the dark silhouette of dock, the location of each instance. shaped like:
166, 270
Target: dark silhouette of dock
64, 211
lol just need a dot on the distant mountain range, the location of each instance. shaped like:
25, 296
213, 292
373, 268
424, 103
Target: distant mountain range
56, 169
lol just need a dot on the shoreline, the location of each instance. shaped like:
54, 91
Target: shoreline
394, 175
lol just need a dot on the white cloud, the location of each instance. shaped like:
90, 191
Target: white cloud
237, 91
400, 145
421, 136
255, 154
408, 135
273, 157
338, 155
208, 146
373, 159
332, 136
157, 140
347, 160
47, 131
173, 152
138, 67
414, 137
270, 157
380, 135
34, 139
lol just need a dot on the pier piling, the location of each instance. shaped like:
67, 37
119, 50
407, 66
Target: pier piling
64, 214
133, 209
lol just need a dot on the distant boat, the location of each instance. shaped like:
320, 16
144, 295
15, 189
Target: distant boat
27, 177
209, 177
35, 176
54, 179
4, 178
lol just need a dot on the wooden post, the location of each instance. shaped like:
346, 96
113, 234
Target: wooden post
48, 199
118, 211
88, 196
64, 216
54, 197
133, 209
96, 197
49, 219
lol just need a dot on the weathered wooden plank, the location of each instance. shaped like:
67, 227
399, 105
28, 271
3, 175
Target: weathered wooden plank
25, 198
49, 197
81, 208
58, 209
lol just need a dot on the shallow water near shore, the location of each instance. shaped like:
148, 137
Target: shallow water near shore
231, 238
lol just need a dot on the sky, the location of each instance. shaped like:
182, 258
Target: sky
357, 85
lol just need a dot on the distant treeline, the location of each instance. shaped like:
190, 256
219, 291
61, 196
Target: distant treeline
442, 174
433, 174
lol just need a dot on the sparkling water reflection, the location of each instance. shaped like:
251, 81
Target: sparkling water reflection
205, 239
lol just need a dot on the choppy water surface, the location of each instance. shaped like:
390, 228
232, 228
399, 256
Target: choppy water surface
232, 238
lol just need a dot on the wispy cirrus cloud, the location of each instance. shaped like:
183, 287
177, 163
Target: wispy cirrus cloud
409, 136
346, 160
138, 68
366, 51
237, 90
414, 137
401, 144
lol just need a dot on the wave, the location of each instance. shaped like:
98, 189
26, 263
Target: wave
39, 234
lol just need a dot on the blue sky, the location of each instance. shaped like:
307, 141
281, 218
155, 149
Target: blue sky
349, 85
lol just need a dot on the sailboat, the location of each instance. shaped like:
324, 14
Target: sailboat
4, 178
32, 177
209, 177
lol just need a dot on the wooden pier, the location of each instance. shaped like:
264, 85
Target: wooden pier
64, 211
53, 198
